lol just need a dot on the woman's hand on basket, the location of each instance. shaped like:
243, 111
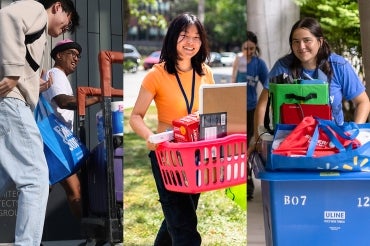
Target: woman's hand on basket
150, 145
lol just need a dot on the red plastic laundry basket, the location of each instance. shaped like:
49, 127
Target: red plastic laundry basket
206, 165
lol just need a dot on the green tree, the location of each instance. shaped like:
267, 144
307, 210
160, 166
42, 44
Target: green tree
140, 10
339, 19
225, 23
227, 30
180, 6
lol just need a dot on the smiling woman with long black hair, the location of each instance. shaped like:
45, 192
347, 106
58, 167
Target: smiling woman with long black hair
174, 85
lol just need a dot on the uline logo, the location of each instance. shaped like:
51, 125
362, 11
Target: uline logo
334, 215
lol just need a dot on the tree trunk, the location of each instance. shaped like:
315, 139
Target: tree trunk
271, 21
201, 4
364, 10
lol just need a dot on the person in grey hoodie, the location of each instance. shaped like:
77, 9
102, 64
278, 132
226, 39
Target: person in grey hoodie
24, 26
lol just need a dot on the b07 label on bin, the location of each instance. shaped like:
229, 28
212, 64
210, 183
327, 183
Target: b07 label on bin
295, 200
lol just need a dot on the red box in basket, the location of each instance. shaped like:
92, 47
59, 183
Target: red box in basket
186, 129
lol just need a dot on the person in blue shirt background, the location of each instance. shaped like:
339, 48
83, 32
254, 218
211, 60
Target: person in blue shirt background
250, 68
311, 58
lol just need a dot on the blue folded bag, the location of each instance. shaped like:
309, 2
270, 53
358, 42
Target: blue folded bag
347, 159
63, 150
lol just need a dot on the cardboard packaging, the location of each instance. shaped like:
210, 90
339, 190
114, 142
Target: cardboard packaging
212, 125
186, 129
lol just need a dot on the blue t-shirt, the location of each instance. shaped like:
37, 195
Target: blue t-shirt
344, 82
256, 71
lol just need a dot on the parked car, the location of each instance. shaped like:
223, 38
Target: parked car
227, 58
152, 59
131, 58
214, 60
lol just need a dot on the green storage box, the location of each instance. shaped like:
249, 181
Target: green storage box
297, 93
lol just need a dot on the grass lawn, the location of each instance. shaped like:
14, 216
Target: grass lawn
221, 221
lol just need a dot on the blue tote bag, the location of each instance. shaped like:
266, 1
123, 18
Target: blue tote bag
63, 150
346, 158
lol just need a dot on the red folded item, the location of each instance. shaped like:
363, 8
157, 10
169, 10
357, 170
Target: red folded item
294, 113
298, 141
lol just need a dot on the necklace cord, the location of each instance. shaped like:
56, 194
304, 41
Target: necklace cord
188, 106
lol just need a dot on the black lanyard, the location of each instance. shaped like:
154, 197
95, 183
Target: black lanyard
188, 106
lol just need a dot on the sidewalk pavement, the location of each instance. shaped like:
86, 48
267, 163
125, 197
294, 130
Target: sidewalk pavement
255, 224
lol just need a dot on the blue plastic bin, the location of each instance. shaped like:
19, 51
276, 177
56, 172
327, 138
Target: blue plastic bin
315, 208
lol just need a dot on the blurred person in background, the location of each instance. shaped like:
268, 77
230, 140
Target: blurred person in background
249, 68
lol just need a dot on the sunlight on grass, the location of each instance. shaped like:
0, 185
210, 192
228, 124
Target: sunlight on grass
221, 221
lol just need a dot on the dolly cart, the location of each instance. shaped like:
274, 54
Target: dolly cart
102, 175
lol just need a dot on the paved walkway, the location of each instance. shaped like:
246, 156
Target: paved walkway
255, 224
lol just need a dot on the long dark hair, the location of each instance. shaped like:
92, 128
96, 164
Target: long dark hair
169, 49
313, 26
253, 38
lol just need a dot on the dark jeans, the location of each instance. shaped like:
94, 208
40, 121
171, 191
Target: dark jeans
179, 228
250, 125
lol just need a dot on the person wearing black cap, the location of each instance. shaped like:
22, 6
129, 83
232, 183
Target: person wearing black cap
66, 55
